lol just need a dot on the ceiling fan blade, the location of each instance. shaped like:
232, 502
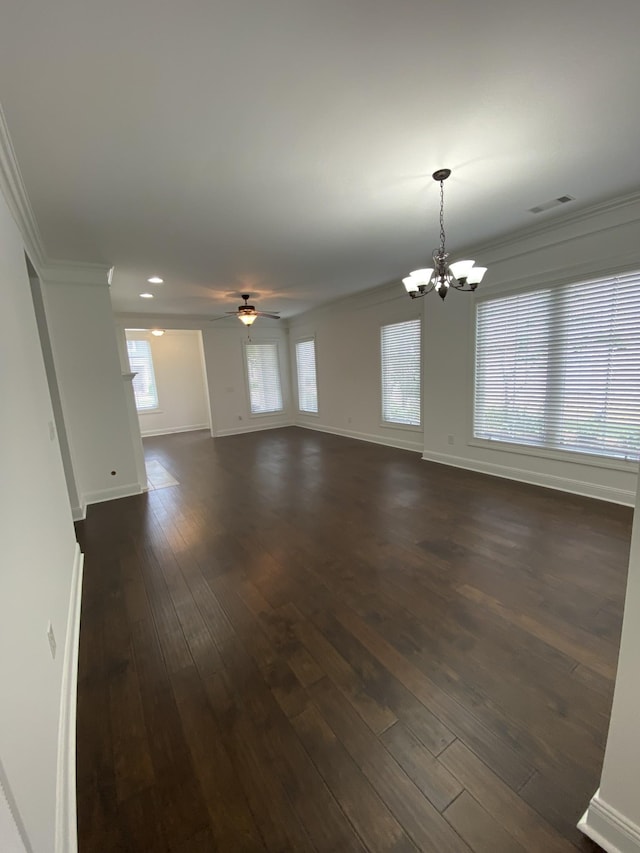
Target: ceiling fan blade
263, 314
224, 316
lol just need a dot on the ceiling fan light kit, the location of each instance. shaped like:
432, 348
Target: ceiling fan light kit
247, 318
461, 275
246, 313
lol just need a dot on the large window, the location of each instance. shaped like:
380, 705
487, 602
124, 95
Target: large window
559, 368
401, 358
307, 384
144, 382
263, 373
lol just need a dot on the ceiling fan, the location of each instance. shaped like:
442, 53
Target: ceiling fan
246, 313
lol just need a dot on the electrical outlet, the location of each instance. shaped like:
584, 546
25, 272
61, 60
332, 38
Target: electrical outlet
239, 417
52, 640
451, 439
348, 420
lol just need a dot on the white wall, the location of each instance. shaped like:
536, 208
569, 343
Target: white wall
347, 339
180, 381
92, 391
54, 393
227, 376
598, 242
38, 555
613, 816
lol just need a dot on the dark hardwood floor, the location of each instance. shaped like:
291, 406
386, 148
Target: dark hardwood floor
313, 643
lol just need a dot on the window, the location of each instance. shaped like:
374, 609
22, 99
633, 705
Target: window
307, 385
144, 382
401, 358
560, 368
263, 373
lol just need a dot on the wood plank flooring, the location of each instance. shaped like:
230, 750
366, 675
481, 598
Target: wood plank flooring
317, 644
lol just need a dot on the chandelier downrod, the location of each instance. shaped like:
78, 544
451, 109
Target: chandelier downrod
461, 275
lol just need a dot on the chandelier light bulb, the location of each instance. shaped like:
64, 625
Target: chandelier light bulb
476, 275
461, 269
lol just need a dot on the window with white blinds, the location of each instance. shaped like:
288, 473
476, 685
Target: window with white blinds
307, 383
144, 382
401, 360
263, 373
560, 368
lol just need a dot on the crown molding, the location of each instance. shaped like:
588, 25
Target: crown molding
74, 272
564, 220
14, 190
167, 321
186, 322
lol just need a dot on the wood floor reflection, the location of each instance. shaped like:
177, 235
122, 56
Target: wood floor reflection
318, 644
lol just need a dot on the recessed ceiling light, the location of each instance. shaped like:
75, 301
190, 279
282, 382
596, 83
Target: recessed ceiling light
146, 295
155, 280
157, 332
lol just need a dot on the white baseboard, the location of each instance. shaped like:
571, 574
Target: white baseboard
66, 820
124, 491
608, 828
549, 481
387, 441
221, 433
147, 433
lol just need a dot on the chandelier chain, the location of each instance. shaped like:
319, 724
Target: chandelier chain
442, 217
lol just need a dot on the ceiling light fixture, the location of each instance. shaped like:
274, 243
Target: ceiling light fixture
146, 296
155, 280
461, 275
247, 319
157, 332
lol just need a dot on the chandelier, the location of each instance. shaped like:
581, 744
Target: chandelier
462, 275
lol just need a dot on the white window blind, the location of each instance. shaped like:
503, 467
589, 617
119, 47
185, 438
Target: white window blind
144, 382
560, 368
263, 371
401, 358
307, 384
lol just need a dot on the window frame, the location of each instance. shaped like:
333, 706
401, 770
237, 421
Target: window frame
575, 457
245, 362
141, 336
394, 424
305, 340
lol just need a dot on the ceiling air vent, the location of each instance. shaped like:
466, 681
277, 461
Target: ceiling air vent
562, 199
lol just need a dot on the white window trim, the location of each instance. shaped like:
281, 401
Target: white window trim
573, 457
297, 341
261, 415
612, 463
416, 428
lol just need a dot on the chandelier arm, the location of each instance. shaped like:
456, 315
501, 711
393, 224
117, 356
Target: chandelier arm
422, 290
462, 284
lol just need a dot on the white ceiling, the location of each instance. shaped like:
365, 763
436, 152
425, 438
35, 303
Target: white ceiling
285, 148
